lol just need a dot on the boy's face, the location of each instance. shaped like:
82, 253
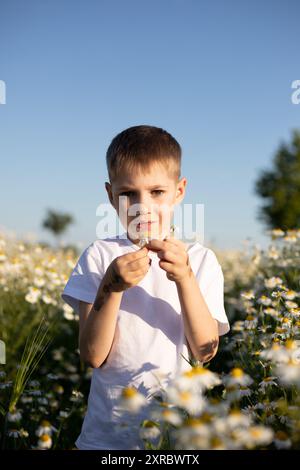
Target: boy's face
146, 197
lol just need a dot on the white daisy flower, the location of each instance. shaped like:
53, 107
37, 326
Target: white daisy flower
45, 441
254, 436
289, 373
289, 294
249, 294
264, 300
266, 383
194, 434
197, 378
273, 282
250, 322
273, 253
15, 433
271, 311
234, 420
290, 304
33, 295
193, 403
237, 377
39, 281
277, 233
167, 414
132, 400
14, 416
281, 440
45, 428
150, 430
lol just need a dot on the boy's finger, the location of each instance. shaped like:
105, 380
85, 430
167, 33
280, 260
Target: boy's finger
155, 244
176, 242
137, 254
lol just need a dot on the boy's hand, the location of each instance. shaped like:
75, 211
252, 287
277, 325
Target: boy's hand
127, 270
174, 258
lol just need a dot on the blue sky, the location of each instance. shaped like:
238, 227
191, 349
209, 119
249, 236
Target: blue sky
216, 74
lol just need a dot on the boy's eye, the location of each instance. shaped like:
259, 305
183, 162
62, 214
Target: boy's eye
158, 192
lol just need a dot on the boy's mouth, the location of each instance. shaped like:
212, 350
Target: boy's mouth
144, 226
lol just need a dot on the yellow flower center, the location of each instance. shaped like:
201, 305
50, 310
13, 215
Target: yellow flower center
45, 423
237, 372
192, 422
255, 432
185, 396
290, 344
281, 435
129, 392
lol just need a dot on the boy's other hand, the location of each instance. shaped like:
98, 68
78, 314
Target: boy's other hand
174, 258
128, 270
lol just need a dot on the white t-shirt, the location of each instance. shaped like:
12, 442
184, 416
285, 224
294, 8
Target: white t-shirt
149, 338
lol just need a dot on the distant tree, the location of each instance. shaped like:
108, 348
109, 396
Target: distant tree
57, 223
281, 188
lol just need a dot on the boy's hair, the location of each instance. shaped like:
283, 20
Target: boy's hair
139, 147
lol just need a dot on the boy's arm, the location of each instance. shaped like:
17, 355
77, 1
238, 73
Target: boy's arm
201, 329
97, 323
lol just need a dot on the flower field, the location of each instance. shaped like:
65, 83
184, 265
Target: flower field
247, 397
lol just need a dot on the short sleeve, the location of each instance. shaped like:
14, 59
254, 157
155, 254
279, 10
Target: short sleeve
213, 291
85, 279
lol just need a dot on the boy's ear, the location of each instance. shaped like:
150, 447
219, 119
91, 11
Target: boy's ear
180, 190
109, 193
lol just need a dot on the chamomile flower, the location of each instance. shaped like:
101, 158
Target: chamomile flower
273, 282
69, 313
58, 389
150, 430
264, 300
271, 311
15, 433
249, 294
194, 434
193, 403
237, 377
45, 441
33, 295
45, 428
250, 322
167, 413
197, 378
132, 400
289, 294
281, 440
289, 304
277, 233
14, 416
254, 436
266, 383
273, 253
289, 372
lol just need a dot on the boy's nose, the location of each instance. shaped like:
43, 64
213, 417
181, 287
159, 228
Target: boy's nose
143, 206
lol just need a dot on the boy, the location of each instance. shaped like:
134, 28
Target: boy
142, 309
